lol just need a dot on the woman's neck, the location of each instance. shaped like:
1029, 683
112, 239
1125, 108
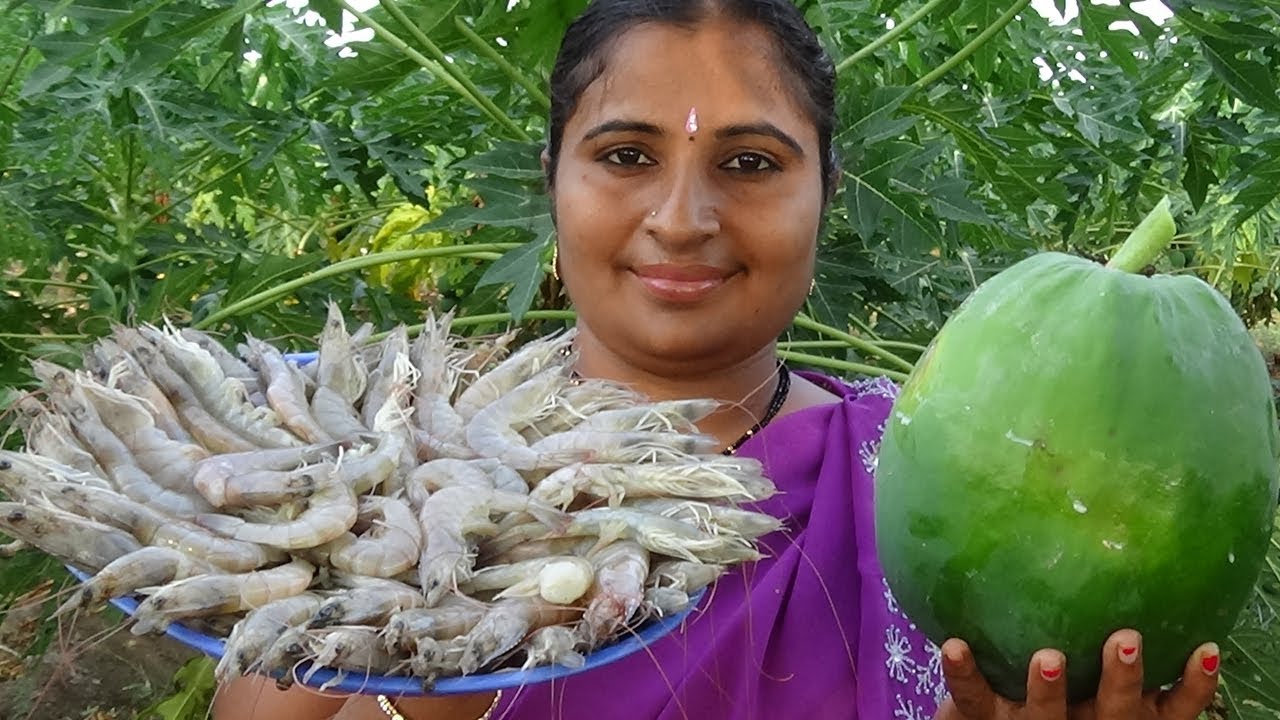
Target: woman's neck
745, 388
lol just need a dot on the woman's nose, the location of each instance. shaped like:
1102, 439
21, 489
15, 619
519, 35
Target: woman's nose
688, 211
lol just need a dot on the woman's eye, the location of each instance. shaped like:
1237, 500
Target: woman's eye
750, 162
628, 156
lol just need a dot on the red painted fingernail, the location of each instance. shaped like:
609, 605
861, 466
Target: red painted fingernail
1050, 670
1128, 654
1209, 663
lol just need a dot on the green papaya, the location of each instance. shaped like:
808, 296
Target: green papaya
1080, 449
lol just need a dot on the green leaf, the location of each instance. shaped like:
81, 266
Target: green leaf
340, 166
1199, 174
192, 696
521, 268
1245, 33
877, 119
980, 15
504, 203
1259, 187
875, 197
1096, 21
514, 160
949, 199
1200, 25
1251, 81
330, 11
1015, 172
1112, 123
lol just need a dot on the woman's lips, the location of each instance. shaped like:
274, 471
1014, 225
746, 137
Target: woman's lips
681, 283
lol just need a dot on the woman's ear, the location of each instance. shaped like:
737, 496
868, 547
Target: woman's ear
548, 181
545, 157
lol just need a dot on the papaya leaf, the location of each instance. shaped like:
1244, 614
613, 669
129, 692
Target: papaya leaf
1096, 21
1251, 81
330, 11
503, 203
1250, 34
522, 269
1200, 25
1199, 174
1113, 123
508, 159
341, 166
979, 15
192, 696
877, 121
949, 199
1256, 188
1018, 176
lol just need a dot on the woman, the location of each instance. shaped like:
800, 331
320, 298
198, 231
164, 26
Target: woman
689, 162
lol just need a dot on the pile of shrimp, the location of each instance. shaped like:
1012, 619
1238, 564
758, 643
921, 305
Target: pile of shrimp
430, 508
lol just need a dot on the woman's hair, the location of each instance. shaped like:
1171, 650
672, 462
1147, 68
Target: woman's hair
585, 49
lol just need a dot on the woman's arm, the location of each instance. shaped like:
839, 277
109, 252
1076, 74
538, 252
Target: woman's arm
444, 707
256, 697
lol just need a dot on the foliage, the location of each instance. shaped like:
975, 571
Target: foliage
218, 162
194, 685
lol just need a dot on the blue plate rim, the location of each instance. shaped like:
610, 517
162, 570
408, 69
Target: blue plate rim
404, 686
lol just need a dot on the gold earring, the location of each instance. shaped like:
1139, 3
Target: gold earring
555, 261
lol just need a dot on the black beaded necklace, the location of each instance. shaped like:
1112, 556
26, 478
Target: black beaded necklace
780, 392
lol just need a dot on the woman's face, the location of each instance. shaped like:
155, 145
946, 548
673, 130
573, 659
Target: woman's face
680, 245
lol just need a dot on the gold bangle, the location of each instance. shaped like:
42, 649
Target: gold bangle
389, 709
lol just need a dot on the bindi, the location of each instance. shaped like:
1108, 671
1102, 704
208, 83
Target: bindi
691, 122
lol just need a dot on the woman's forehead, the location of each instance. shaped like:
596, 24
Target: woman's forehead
730, 71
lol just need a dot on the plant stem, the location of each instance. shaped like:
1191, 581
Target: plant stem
891, 35
502, 317
13, 71
913, 347
811, 344
37, 336
833, 364
350, 265
968, 50
1147, 241
55, 283
867, 347
445, 74
512, 71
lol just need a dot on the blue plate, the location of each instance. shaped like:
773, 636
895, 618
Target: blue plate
355, 683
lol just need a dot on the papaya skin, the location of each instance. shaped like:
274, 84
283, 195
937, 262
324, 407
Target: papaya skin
1081, 450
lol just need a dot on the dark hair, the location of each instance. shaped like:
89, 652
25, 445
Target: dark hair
584, 52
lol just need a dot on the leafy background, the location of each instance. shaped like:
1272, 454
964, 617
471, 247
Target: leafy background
229, 164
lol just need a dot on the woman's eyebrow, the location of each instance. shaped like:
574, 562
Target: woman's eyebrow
622, 126
761, 128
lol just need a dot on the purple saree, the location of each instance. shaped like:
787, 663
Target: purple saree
811, 631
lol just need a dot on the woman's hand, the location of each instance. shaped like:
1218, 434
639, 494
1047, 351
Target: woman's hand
1120, 695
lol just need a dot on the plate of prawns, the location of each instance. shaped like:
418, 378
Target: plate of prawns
391, 516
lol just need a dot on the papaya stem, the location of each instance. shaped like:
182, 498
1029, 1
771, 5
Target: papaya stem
1147, 241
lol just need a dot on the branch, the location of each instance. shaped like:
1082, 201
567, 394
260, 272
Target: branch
890, 36
444, 73
512, 72
968, 50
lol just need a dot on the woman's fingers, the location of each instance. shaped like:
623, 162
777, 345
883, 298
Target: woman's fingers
1047, 686
1195, 690
1120, 690
970, 693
